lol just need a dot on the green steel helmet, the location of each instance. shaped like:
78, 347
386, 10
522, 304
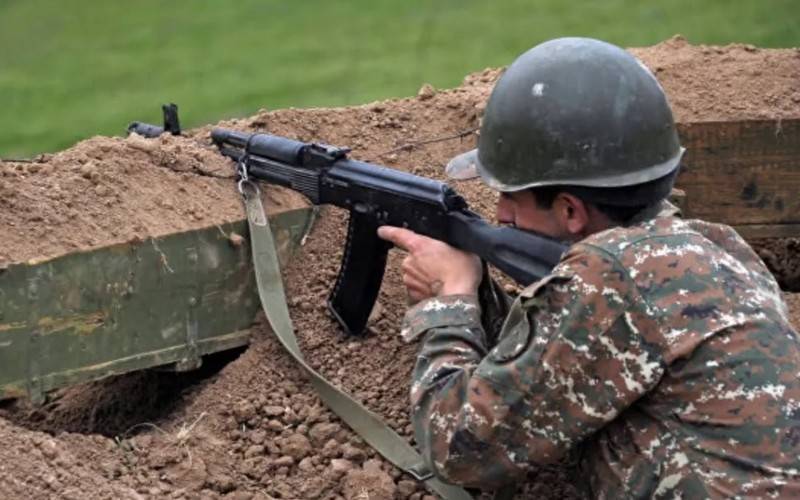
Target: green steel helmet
574, 112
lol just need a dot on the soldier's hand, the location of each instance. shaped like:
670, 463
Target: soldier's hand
433, 268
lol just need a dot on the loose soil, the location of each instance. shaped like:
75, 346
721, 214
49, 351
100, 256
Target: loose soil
248, 425
110, 190
735, 82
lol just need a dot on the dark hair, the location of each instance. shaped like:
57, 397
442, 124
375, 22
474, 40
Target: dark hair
546, 195
620, 204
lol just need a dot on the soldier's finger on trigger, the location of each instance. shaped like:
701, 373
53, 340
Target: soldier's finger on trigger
406, 239
390, 233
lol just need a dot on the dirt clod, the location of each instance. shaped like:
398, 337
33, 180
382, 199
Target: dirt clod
296, 446
368, 482
426, 92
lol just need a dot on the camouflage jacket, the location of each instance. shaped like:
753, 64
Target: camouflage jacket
660, 353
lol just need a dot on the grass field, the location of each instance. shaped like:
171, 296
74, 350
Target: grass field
70, 69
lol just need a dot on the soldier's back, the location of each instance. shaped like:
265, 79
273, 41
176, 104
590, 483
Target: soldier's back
724, 420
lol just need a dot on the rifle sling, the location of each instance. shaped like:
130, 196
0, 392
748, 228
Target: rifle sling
366, 424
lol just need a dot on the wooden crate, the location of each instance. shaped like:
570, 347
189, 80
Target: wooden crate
745, 174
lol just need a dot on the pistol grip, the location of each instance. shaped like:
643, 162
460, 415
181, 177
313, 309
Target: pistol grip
360, 275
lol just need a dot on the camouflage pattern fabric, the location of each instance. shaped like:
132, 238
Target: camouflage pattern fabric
660, 354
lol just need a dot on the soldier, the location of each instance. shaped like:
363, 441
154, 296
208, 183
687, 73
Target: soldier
657, 352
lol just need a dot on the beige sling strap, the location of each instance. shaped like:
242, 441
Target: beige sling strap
366, 424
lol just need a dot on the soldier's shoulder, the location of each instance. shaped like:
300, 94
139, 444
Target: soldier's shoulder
690, 235
618, 241
663, 245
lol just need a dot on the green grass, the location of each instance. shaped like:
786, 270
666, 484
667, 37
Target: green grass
70, 69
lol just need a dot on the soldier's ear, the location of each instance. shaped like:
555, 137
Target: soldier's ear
572, 212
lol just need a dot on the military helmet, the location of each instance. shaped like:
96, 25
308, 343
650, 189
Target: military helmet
574, 112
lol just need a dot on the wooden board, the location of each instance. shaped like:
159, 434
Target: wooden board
745, 174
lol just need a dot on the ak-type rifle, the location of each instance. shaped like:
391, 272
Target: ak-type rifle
377, 196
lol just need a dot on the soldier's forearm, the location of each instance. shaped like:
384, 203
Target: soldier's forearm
449, 411
448, 420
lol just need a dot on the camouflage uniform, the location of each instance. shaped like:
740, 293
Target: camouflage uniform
660, 353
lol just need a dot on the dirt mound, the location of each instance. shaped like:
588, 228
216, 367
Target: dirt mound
37, 465
735, 82
707, 83
254, 429
108, 190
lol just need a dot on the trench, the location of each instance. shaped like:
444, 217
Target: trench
782, 257
116, 406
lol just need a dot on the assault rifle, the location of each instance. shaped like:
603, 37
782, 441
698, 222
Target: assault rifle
377, 196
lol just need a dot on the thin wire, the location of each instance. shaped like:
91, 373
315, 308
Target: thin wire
411, 145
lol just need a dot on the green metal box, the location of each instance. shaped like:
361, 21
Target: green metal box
130, 306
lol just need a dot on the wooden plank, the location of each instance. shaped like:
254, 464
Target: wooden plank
130, 306
743, 173
762, 231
